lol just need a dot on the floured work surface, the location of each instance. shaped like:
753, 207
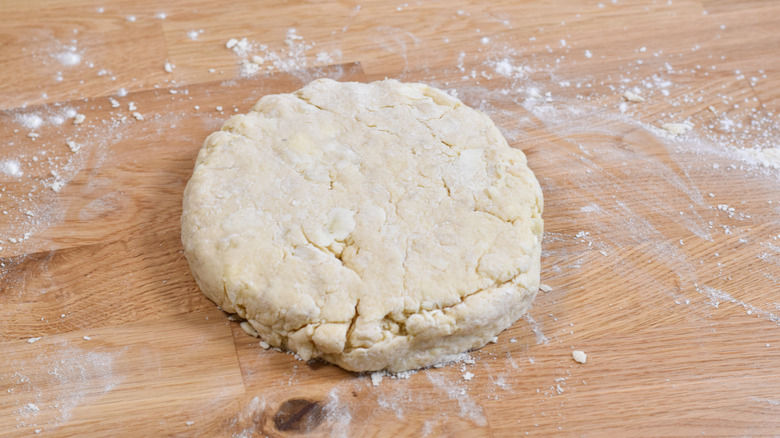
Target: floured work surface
661, 250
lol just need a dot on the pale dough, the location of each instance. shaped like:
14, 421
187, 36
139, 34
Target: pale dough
377, 226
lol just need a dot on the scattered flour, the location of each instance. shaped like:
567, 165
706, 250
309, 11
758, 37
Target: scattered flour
772, 402
537, 329
469, 409
716, 297
256, 58
338, 415
58, 380
768, 157
69, 57
11, 167
194, 34
590, 208
30, 121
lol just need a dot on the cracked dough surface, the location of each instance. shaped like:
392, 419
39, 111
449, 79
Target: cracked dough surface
379, 226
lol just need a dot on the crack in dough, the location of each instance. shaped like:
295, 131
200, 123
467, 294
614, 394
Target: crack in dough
377, 226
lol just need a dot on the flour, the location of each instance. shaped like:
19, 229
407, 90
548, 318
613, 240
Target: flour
69, 57
768, 157
536, 329
194, 34
771, 402
255, 58
244, 420
46, 116
64, 377
468, 408
30, 121
338, 415
11, 167
717, 296
53, 159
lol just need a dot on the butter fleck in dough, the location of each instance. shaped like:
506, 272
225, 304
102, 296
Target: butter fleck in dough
377, 226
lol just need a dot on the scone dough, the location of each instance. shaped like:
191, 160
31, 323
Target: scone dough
377, 226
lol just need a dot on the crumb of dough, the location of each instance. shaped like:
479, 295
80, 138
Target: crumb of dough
633, 97
376, 377
676, 128
74, 147
579, 356
79, 119
544, 288
248, 329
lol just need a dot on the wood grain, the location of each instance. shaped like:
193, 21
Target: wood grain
663, 253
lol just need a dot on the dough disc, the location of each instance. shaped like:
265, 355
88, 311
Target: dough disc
381, 226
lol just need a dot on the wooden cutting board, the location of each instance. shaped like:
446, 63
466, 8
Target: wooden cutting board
662, 251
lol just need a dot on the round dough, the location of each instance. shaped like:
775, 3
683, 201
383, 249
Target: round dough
379, 226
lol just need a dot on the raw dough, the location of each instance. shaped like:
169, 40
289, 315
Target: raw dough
377, 226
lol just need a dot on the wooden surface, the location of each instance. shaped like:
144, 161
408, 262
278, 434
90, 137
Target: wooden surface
663, 253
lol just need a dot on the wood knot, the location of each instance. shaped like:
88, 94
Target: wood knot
298, 415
